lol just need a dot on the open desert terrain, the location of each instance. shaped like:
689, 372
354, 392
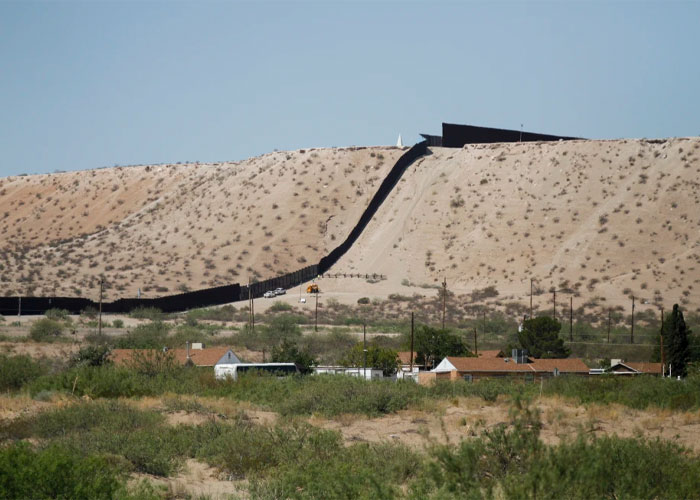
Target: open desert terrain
602, 220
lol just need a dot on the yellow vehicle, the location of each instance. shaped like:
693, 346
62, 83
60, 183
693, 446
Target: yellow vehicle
312, 288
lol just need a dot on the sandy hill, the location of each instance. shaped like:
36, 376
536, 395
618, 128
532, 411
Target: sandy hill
603, 218
170, 228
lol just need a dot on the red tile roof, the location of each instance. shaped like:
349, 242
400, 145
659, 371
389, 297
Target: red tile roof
654, 368
200, 357
566, 365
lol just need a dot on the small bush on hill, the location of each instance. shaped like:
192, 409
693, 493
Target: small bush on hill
152, 313
45, 330
57, 314
147, 336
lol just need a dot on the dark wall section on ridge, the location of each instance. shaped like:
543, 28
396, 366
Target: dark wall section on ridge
456, 136
385, 188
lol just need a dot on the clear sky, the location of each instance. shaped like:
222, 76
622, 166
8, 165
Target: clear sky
94, 84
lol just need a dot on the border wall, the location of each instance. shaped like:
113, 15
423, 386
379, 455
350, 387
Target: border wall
385, 188
223, 294
456, 136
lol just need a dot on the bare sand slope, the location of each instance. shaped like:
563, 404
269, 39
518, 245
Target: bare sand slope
605, 218
170, 228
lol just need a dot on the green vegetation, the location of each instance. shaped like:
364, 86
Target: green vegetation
56, 472
676, 341
152, 313
432, 345
377, 357
540, 336
45, 330
87, 449
289, 352
16, 371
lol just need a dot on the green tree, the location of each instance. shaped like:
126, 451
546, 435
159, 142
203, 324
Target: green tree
540, 336
288, 352
676, 342
432, 345
377, 357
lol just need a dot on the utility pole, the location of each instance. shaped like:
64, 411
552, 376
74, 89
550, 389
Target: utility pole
484, 316
632, 330
364, 348
99, 322
609, 321
571, 318
316, 314
530, 298
663, 354
250, 305
476, 347
444, 300
411, 342
554, 304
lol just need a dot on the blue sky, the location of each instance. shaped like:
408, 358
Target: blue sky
94, 84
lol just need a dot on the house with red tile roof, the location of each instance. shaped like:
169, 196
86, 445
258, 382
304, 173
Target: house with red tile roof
522, 366
620, 367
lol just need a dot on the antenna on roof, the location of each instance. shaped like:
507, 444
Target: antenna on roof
399, 142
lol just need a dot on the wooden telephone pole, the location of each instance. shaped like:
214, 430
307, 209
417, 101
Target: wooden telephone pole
663, 354
531, 298
99, 321
411, 342
571, 318
444, 300
632, 330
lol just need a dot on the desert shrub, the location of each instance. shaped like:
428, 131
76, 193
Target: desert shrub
56, 472
45, 330
110, 381
91, 355
636, 392
225, 313
15, 371
152, 313
147, 336
241, 448
107, 427
358, 471
57, 314
279, 306
327, 395
117, 323
363, 300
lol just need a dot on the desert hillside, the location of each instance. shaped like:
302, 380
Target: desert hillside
171, 228
605, 219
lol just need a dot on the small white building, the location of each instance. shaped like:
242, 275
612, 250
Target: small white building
366, 373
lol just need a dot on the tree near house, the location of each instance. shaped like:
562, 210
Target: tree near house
288, 352
540, 336
676, 342
377, 357
432, 345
